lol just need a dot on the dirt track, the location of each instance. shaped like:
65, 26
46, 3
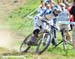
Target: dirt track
6, 6
6, 38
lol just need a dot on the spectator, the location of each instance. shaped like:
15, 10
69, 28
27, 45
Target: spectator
71, 17
64, 16
72, 12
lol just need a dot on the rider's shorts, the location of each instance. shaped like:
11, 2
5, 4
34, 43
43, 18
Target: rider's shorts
37, 22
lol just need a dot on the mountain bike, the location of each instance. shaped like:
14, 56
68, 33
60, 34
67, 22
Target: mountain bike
43, 41
46, 39
24, 47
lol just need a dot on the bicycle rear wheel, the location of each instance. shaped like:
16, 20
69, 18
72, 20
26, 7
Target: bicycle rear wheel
43, 43
24, 46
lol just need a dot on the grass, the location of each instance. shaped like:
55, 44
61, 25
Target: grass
17, 22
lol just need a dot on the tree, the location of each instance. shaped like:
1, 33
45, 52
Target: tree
73, 13
73, 37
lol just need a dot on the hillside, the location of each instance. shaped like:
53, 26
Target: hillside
6, 7
12, 13
14, 27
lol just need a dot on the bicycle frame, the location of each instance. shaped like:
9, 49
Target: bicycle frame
48, 29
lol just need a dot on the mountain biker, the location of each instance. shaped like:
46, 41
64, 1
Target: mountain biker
64, 16
38, 23
42, 16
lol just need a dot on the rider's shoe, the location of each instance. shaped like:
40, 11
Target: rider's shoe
54, 42
32, 41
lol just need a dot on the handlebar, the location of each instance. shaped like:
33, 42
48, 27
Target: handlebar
49, 24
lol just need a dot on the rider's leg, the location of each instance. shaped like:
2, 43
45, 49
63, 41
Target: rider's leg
37, 27
34, 37
54, 38
36, 32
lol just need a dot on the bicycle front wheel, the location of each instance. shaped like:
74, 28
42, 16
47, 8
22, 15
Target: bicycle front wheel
24, 46
43, 44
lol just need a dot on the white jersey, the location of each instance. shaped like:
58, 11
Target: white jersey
49, 17
40, 10
37, 21
46, 15
46, 12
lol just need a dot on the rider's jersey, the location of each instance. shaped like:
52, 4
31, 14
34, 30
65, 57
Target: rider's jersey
37, 21
46, 14
40, 10
49, 16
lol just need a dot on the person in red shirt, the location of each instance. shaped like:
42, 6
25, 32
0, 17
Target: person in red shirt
71, 17
72, 12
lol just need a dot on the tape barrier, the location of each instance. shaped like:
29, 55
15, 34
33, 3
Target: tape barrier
66, 22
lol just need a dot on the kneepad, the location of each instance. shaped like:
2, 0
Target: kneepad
36, 31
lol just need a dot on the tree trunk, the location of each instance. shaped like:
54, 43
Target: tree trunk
73, 37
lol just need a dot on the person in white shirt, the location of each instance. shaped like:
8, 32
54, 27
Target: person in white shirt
64, 17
